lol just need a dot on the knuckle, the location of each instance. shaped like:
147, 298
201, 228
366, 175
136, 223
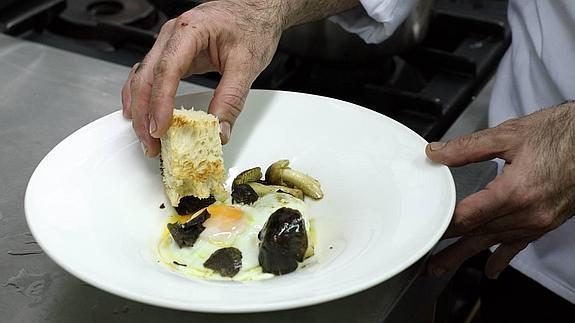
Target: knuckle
457, 226
470, 216
462, 224
135, 81
512, 125
233, 101
512, 131
183, 20
168, 25
470, 221
156, 96
467, 141
518, 197
521, 197
522, 194
161, 68
479, 213
542, 222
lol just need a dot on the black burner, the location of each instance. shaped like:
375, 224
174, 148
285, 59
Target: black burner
123, 12
425, 88
116, 22
105, 8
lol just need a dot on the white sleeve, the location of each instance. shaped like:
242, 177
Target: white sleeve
375, 20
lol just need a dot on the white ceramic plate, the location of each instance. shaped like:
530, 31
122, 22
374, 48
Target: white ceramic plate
93, 203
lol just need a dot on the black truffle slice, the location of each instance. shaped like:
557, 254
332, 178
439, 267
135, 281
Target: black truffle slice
191, 204
283, 242
243, 193
185, 235
226, 261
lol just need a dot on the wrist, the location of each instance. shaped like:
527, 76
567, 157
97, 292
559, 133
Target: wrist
295, 12
268, 16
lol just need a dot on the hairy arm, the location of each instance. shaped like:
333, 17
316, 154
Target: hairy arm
302, 11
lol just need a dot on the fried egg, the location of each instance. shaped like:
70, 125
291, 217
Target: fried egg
230, 225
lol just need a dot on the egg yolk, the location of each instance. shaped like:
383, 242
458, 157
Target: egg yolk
224, 220
224, 217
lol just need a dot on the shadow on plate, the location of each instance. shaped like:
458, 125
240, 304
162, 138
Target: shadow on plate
242, 129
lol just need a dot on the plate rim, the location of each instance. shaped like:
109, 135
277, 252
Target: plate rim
253, 307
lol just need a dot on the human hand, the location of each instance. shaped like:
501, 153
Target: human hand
533, 195
235, 38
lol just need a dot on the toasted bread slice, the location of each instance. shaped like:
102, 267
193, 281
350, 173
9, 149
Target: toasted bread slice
192, 159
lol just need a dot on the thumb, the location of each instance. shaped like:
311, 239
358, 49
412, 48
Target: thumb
478, 146
229, 98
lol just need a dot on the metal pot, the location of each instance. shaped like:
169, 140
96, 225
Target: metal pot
325, 40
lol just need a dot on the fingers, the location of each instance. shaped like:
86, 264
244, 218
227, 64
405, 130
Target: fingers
480, 208
502, 257
453, 256
520, 219
482, 145
230, 95
175, 61
140, 91
537, 222
126, 95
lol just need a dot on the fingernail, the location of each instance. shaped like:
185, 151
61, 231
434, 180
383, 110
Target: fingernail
153, 126
136, 67
438, 272
493, 275
437, 145
144, 148
225, 132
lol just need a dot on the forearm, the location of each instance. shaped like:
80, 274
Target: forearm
278, 15
295, 12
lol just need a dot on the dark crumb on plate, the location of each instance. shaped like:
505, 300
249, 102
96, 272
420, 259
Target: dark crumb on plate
177, 263
162, 206
330, 248
185, 235
226, 261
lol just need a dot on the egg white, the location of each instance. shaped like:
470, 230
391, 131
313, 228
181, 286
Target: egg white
244, 238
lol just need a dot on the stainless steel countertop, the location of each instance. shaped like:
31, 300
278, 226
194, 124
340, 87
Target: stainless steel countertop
45, 95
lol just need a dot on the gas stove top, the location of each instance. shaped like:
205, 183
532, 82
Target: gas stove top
425, 88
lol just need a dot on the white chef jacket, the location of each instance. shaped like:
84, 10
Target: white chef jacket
375, 20
537, 71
